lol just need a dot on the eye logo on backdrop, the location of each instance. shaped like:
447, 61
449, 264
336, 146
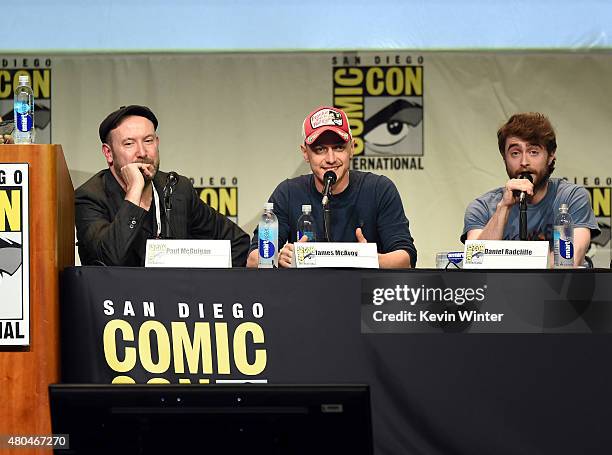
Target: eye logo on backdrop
10, 257
382, 96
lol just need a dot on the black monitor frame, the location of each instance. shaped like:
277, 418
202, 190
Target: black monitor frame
256, 418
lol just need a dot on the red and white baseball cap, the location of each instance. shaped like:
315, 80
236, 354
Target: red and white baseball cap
326, 118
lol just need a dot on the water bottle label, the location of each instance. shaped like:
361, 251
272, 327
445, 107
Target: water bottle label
266, 249
309, 234
24, 122
566, 249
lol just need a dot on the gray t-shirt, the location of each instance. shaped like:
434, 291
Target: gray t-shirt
540, 216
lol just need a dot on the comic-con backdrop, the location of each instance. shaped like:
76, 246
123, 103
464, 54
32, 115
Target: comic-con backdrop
427, 120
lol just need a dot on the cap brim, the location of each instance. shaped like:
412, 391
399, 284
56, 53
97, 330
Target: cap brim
315, 134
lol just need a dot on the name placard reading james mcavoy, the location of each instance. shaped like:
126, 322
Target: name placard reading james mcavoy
14, 255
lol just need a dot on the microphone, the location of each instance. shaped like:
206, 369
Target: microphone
523, 208
172, 179
523, 195
330, 179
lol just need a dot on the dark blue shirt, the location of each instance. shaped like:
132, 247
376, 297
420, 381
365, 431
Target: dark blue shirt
370, 201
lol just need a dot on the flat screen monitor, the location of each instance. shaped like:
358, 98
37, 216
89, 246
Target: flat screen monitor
212, 419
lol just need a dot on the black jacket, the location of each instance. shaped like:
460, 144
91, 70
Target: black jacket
113, 231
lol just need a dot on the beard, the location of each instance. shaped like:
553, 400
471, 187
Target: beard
540, 179
147, 179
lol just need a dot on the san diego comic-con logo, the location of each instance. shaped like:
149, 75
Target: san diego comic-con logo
220, 193
474, 253
11, 256
306, 255
600, 192
39, 72
201, 342
14, 250
382, 96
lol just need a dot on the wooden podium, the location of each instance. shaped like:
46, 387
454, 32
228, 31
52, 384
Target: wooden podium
26, 372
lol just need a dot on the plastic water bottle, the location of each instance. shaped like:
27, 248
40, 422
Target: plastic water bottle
563, 238
306, 225
268, 238
24, 112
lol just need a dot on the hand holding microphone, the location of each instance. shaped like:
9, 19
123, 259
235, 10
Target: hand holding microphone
523, 194
517, 189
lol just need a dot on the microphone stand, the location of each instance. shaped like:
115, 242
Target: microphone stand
523, 208
330, 180
168, 190
523, 217
327, 220
168, 210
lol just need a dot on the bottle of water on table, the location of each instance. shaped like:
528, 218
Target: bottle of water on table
268, 238
306, 225
563, 238
23, 112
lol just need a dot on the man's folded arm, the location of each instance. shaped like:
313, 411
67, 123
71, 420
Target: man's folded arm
102, 241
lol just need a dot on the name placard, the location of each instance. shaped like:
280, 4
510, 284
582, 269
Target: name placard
320, 254
188, 253
505, 254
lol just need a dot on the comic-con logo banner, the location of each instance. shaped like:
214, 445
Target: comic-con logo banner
183, 342
220, 193
14, 251
600, 192
39, 71
601, 200
382, 96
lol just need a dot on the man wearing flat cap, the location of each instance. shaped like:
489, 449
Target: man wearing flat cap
121, 207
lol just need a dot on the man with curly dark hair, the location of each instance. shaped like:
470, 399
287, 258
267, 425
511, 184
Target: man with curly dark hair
528, 145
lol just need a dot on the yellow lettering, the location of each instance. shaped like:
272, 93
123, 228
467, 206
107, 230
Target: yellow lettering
374, 82
163, 347
123, 380
158, 381
200, 348
351, 105
110, 346
6, 89
210, 196
240, 349
414, 80
348, 76
356, 127
228, 201
41, 84
394, 81
10, 210
223, 355
348, 91
601, 201
358, 146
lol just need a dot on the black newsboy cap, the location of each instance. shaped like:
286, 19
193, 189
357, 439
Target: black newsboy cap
113, 119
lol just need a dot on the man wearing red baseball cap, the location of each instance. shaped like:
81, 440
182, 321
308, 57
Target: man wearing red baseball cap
365, 207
